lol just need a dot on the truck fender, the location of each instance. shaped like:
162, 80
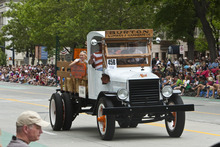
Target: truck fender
176, 92
109, 95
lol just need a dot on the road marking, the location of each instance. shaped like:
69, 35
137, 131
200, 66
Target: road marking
49, 133
26, 92
15, 100
153, 124
12, 87
163, 125
206, 113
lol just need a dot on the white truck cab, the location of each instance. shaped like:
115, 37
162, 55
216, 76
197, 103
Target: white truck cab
125, 90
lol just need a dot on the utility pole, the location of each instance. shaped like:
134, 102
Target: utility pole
13, 56
57, 48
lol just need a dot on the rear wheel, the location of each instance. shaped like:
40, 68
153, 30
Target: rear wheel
68, 111
175, 121
105, 123
56, 111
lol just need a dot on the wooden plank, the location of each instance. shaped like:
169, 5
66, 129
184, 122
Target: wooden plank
63, 64
121, 40
63, 74
128, 56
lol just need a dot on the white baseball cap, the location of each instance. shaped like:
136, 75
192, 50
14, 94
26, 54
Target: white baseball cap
29, 118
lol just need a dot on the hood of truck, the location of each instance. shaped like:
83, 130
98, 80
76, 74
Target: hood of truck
124, 74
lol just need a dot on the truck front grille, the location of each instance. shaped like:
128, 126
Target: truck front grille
144, 92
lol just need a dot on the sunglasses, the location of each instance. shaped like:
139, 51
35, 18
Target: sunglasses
83, 52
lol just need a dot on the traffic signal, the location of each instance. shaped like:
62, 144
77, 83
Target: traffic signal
10, 58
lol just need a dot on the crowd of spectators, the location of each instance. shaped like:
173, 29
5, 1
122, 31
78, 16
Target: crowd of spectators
199, 77
26, 74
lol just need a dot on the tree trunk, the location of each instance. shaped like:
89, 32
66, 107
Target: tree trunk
33, 54
191, 46
200, 7
191, 40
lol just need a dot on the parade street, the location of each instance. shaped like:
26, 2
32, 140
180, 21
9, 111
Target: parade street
201, 126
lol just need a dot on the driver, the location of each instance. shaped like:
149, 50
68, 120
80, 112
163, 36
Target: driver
133, 49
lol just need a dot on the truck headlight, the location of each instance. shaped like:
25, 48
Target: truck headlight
122, 94
167, 91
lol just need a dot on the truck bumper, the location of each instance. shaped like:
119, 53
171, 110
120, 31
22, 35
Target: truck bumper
148, 109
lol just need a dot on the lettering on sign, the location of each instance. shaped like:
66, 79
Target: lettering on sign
139, 33
112, 63
78, 70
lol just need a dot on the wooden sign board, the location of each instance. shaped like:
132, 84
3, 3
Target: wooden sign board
133, 33
78, 70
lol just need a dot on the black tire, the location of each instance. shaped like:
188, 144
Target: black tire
56, 111
133, 124
176, 122
68, 111
105, 123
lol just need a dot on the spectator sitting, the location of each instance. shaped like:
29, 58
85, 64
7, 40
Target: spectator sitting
167, 81
179, 82
201, 86
186, 85
216, 86
209, 85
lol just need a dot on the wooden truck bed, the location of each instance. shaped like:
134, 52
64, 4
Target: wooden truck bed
68, 82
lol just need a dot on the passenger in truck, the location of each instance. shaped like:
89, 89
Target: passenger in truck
82, 59
96, 59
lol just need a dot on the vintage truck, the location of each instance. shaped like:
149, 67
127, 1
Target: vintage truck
126, 90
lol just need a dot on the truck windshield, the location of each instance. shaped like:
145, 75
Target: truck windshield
129, 48
128, 52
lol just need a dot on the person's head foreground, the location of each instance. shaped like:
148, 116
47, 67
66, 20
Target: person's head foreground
28, 127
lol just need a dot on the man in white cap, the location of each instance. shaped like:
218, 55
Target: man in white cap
28, 129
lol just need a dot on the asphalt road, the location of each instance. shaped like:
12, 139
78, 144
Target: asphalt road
202, 126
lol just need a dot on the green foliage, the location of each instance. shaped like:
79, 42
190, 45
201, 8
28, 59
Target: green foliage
177, 18
2, 58
201, 44
37, 22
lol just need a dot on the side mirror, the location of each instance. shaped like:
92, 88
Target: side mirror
158, 40
94, 41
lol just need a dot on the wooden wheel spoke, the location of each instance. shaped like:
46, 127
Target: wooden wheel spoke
174, 120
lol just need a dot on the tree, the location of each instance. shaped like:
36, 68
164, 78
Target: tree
2, 58
177, 18
42, 21
201, 44
203, 7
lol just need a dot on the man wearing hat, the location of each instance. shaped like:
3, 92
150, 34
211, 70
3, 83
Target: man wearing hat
28, 129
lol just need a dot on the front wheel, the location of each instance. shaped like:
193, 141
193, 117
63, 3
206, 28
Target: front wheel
105, 123
175, 121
